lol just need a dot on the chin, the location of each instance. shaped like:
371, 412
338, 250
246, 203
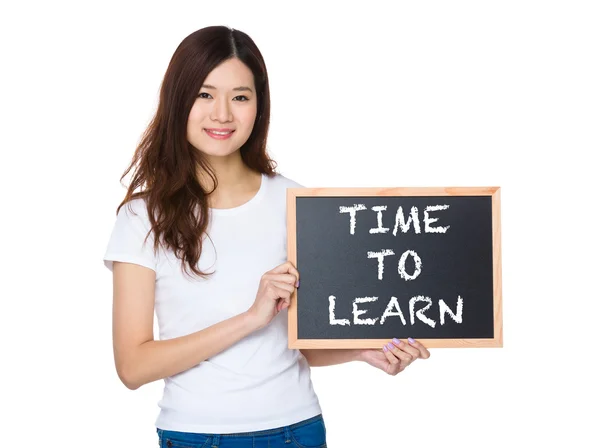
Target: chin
221, 153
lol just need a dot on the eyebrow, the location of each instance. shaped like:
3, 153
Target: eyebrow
237, 89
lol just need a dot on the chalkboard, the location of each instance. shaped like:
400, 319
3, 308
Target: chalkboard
383, 263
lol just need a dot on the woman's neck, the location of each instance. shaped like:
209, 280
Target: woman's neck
236, 184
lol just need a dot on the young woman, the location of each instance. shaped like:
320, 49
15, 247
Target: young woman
203, 243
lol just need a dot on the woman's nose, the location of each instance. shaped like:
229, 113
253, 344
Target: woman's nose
221, 111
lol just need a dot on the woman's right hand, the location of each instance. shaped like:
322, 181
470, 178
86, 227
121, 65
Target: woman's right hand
274, 293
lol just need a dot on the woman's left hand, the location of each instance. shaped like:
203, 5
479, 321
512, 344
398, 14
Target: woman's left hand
396, 355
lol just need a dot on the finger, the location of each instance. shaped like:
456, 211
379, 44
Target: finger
285, 268
284, 286
403, 356
282, 305
283, 293
286, 278
413, 351
390, 356
423, 352
377, 359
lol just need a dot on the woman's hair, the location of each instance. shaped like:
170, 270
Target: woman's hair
166, 163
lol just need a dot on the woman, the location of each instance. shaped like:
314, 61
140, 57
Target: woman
202, 170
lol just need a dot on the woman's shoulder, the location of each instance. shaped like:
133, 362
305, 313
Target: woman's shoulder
135, 206
136, 210
284, 182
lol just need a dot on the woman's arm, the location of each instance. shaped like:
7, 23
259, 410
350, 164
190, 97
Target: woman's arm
139, 359
330, 357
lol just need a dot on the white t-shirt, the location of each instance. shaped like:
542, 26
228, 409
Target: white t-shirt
257, 383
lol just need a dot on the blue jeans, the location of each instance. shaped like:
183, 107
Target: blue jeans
305, 434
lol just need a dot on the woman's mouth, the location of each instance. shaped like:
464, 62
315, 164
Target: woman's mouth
219, 134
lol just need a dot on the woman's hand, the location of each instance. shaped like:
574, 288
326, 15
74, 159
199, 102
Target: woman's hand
274, 292
395, 356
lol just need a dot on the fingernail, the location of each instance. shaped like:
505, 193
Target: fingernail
411, 340
389, 344
396, 341
385, 349
298, 284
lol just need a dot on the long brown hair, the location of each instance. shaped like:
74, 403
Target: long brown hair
166, 163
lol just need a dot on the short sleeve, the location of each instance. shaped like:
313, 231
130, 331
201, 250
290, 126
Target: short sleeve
126, 242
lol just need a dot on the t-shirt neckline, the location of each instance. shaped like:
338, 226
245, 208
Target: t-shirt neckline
246, 205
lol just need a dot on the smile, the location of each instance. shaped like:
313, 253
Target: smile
219, 134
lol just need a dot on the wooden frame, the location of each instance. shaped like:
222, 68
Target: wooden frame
494, 192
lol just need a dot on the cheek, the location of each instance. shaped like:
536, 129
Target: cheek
197, 114
248, 117
195, 118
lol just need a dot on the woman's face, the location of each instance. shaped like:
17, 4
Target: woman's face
224, 112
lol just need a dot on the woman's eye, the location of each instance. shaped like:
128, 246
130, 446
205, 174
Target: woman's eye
237, 98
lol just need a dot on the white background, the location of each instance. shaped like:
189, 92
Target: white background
431, 93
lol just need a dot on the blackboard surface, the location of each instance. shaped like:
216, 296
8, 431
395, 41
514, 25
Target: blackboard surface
377, 267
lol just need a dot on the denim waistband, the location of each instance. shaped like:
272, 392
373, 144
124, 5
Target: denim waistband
264, 432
